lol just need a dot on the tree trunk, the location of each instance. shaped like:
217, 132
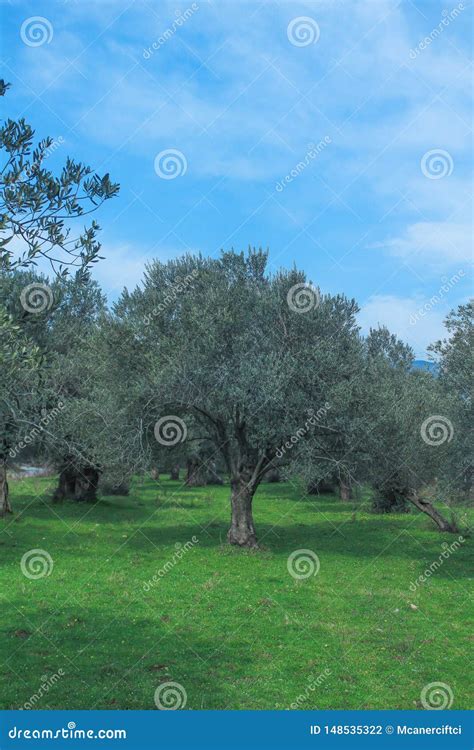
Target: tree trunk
273, 476
195, 473
5, 506
345, 491
174, 474
242, 530
77, 484
87, 480
431, 511
66, 484
320, 487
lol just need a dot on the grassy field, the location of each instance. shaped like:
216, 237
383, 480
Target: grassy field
233, 627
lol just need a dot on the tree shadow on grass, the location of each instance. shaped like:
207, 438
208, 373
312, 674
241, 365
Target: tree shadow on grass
366, 539
112, 661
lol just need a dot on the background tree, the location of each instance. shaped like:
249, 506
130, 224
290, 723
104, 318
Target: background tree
403, 458
455, 365
19, 364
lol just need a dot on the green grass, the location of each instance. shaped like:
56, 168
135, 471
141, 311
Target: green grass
231, 626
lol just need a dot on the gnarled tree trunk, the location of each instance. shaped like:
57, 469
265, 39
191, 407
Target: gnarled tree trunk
87, 481
431, 511
5, 506
66, 484
195, 473
242, 530
77, 484
345, 490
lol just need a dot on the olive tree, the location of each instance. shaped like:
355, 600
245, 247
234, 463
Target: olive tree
37, 206
402, 440
38, 215
19, 363
455, 366
244, 354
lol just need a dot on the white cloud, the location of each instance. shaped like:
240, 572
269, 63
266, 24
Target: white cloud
436, 244
124, 265
407, 318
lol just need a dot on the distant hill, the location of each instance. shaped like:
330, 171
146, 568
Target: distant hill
423, 364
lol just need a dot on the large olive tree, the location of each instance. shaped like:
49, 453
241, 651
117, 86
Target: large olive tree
243, 354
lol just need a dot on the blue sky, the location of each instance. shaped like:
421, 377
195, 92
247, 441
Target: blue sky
245, 92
